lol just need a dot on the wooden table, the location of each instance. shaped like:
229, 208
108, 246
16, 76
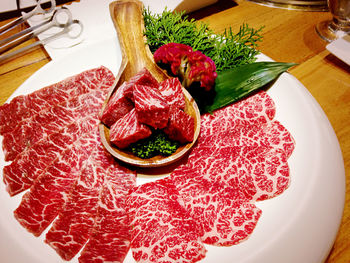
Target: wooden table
289, 36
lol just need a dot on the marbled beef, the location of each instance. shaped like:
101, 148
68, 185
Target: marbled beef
225, 216
71, 230
119, 104
75, 223
28, 165
171, 90
144, 77
122, 100
24, 106
32, 130
151, 108
110, 238
161, 229
180, 126
128, 130
255, 159
45, 199
257, 109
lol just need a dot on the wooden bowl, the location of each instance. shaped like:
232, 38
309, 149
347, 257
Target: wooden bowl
128, 21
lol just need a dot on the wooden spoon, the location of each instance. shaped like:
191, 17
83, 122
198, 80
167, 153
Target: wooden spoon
128, 20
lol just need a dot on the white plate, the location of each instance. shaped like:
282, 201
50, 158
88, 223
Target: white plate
298, 226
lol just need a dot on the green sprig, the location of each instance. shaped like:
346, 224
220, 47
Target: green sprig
157, 144
227, 50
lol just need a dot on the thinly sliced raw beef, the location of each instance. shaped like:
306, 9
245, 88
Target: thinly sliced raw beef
45, 199
162, 230
28, 165
225, 216
29, 132
257, 110
22, 107
75, 222
256, 162
280, 137
110, 238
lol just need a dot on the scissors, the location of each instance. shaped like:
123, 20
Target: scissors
36, 11
61, 19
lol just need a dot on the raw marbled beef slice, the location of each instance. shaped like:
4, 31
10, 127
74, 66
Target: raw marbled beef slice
26, 134
45, 199
119, 105
280, 137
171, 90
71, 230
257, 110
180, 126
151, 108
28, 165
128, 130
272, 134
110, 238
258, 166
226, 217
161, 229
23, 107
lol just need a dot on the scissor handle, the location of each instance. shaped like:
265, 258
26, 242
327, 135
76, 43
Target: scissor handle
73, 33
37, 10
62, 17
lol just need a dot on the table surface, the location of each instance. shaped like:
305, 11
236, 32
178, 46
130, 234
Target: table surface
289, 36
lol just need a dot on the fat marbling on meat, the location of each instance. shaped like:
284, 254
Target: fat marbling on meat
225, 216
74, 225
24, 106
32, 130
20, 174
171, 90
110, 236
161, 229
48, 194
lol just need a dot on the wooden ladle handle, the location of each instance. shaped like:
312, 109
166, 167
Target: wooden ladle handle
127, 16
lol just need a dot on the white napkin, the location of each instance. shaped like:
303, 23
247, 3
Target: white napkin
341, 48
97, 23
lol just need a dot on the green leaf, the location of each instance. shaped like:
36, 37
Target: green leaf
234, 84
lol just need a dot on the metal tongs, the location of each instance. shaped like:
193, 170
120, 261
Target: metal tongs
61, 19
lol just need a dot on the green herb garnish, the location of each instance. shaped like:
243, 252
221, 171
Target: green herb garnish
157, 144
227, 50
234, 55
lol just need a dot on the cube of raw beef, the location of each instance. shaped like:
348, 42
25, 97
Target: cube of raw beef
119, 105
144, 77
171, 89
128, 130
150, 106
122, 100
180, 127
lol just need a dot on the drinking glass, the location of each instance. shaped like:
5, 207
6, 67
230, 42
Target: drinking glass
339, 25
